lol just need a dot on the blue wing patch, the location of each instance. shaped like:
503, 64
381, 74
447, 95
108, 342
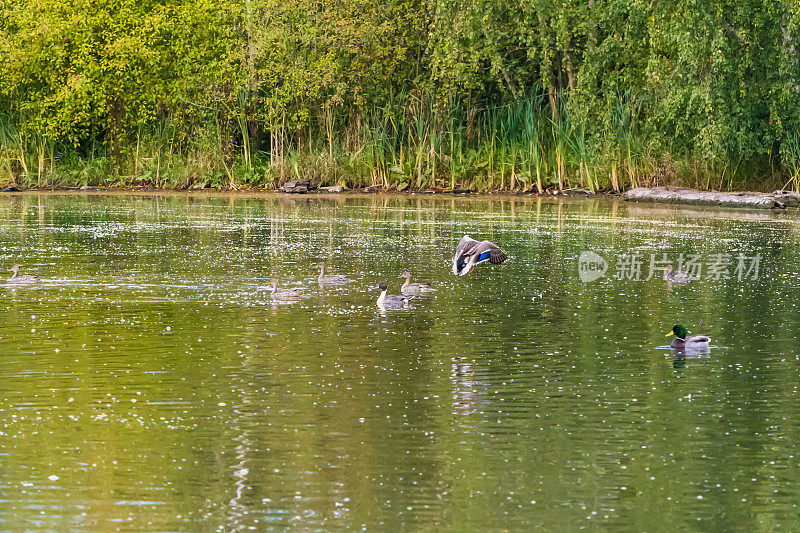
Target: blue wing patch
484, 256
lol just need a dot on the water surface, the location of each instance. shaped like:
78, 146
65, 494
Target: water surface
149, 382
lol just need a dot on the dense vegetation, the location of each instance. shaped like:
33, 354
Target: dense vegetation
400, 93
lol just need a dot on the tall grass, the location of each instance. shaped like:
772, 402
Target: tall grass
12, 160
791, 160
412, 141
26, 156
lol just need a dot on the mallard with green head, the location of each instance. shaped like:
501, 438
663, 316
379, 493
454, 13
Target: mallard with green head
682, 342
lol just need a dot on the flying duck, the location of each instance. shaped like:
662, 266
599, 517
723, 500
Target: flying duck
471, 252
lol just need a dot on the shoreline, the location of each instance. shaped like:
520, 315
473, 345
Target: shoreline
776, 200
317, 192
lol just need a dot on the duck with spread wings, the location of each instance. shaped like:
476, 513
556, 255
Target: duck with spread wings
471, 252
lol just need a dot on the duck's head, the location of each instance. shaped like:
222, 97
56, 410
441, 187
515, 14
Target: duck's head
273, 283
405, 274
383, 286
14, 269
668, 269
320, 266
679, 331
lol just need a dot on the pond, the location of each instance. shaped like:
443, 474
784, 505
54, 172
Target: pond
149, 382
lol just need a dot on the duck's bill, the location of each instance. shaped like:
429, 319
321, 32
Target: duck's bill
670, 333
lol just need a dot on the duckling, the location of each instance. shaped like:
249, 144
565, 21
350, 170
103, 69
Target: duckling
471, 252
391, 301
677, 276
331, 279
693, 343
410, 289
282, 293
16, 279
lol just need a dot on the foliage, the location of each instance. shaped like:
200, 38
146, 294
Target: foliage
400, 93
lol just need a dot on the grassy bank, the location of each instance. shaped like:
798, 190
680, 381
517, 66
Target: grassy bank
411, 143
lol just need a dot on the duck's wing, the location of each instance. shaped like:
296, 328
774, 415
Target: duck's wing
395, 300
334, 279
680, 276
413, 289
293, 295
698, 339
465, 246
489, 250
24, 279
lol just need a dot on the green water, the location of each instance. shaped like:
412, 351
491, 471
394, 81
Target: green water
149, 382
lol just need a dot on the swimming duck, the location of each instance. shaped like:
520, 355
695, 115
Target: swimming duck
17, 279
681, 342
392, 301
410, 289
331, 279
282, 293
677, 276
471, 252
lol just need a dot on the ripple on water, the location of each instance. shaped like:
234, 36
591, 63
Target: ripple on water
149, 374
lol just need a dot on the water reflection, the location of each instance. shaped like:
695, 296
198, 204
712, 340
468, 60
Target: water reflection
149, 384
679, 359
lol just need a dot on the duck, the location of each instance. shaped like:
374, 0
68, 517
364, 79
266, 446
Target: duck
392, 301
677, 276
682, 342
17, 279
410, 289
471, 252
283, 293
331, 279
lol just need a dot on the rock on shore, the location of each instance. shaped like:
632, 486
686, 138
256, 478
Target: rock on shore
680, 195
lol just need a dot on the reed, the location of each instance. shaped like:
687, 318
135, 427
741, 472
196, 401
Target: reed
10, 151
412, 141
790, 156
